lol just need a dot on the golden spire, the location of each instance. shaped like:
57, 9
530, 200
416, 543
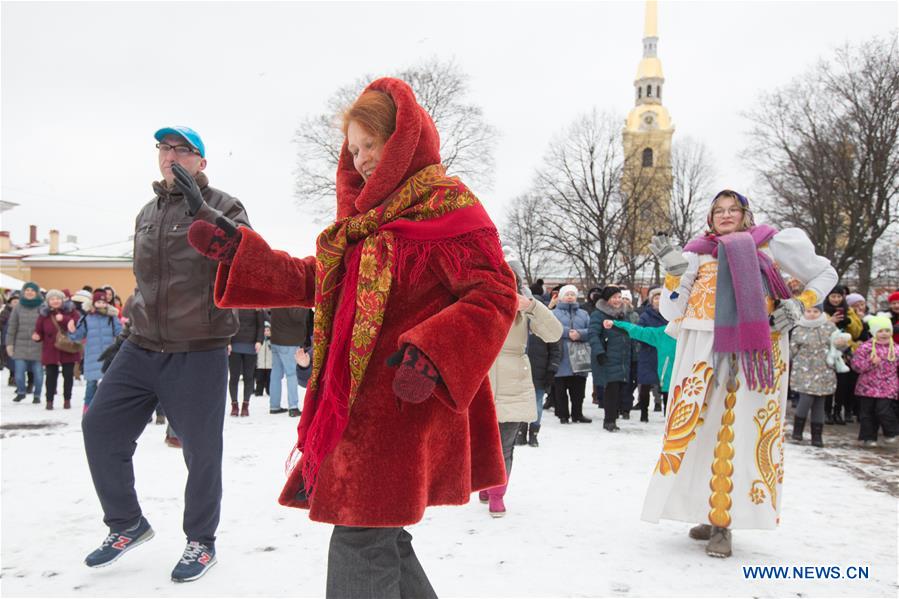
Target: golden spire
649, 26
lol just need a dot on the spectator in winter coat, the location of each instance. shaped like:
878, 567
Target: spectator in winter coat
99, 327
54, 317
857, 303
5, 361
513, 388
264, 363
811, 377
176, 356
290, 331
647, 357
611, 356
242, 357
26, 354
592, 295
568, 382
664, 345
893, 301
877, 388
838, 410
544, 358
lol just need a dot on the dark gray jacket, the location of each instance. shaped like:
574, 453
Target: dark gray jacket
18, 334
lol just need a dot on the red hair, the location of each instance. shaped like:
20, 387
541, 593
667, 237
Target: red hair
375, 111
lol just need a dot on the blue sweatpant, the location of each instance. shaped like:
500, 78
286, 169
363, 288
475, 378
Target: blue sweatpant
191, 388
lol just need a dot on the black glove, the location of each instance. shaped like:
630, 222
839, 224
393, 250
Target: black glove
185, 182
109, 354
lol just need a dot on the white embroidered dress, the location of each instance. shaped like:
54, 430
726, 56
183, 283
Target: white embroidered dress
721, 460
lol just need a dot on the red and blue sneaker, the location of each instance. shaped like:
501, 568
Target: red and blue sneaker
196, 560
117, 543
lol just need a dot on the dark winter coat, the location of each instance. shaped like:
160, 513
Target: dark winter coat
573, 317
173, 309
46, 330
545, 358
610, 350
18, 333
100, 330
590, 305
290, 326
252, 327
647, 357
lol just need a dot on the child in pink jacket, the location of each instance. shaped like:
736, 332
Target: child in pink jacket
877, 388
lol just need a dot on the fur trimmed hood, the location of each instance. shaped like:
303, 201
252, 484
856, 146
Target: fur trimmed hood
414, 145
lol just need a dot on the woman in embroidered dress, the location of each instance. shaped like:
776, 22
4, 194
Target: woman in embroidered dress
411, 271
721, 462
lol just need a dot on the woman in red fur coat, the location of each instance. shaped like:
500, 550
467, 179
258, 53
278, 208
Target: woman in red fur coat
413, 301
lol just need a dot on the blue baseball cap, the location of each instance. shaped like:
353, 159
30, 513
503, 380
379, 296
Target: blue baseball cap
192, 137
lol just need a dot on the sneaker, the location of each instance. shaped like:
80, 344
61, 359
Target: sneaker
483, 497
117, 543
890, 440
277, 410
293, 412
36, 399
195, 561
869, 443
19, 397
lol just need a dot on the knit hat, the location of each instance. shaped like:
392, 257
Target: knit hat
894, 297
841, 289
854, 298
609, 291
566, 289
879, 322
31, 285
626, 295
653, 293
81, 296
99, 296
55, 293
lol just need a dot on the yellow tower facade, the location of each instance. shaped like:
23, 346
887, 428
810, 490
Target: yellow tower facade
647, 135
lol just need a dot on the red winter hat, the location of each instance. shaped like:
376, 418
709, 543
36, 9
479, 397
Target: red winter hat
414, 145
894, 297
99, 296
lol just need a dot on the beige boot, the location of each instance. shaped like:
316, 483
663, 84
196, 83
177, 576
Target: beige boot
720, 543
701, 532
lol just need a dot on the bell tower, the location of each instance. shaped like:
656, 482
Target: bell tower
648, 131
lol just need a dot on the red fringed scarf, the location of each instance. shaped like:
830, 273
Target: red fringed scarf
356, 260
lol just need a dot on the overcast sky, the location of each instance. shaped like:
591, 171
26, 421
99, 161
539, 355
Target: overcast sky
85, 85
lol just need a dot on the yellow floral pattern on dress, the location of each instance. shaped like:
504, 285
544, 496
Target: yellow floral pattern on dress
701, 304
769, 444
684, 417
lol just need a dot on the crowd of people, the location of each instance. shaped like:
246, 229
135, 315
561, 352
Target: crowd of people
410, 271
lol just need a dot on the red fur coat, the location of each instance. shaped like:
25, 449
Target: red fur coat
395, 458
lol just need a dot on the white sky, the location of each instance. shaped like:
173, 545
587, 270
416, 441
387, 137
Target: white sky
85, 85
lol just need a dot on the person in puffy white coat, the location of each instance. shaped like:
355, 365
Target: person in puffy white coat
513, 387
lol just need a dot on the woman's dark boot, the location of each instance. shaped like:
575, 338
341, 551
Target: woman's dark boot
533, 429
817, 434
798, 427
521, 437
235, 411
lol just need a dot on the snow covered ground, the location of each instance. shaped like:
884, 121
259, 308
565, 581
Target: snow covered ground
572, 529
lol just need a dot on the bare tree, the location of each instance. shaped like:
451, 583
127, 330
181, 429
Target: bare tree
692, 174
467, 141
525, 230
826, 148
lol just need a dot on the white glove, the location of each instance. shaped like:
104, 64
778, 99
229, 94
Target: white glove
670, 256
787, 314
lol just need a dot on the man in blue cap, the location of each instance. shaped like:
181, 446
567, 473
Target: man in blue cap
176, 356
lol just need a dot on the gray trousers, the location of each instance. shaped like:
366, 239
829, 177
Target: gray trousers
815, 403
191, 388
374, 563
507, 433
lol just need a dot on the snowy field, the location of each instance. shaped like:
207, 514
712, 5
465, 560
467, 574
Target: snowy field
572, 528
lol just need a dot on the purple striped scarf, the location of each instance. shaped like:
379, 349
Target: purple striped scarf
741, 317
